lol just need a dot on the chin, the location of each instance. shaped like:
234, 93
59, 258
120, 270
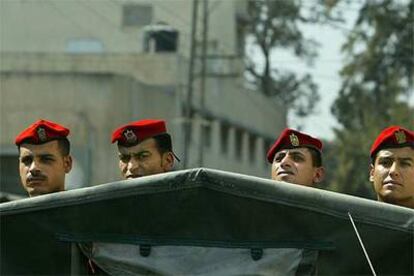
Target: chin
287, 179
35, 193
390, 197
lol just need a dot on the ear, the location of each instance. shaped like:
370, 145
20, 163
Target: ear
371, 173
167, 161
319, 175
67, 163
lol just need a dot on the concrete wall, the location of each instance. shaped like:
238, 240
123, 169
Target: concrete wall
49, 25
91, 105
94, 92
93, 98
151, 69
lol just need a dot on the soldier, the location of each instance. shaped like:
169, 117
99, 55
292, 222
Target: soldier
44, 157
392, 166
296, 158
144, 148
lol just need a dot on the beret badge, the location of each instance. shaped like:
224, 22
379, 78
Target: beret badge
41, 133
294, 140
130, 136
400, 137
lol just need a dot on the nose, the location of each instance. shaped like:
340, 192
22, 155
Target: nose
285, 162
34, 168
394, 170
133, 166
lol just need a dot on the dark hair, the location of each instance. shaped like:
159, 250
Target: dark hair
316, 157
63, 144
164, 143
374, 156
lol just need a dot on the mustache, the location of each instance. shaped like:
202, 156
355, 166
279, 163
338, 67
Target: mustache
36, 177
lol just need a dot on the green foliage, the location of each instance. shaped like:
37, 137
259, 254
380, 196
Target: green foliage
274, 24
377, 81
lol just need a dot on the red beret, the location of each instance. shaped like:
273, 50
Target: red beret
392, 137
133, 133
290, 138
40, 132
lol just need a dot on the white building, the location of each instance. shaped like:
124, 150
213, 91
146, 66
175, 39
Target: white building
93, 65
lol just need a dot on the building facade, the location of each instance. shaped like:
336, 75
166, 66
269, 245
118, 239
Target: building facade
94, 65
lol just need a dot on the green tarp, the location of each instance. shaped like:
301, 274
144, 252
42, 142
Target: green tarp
203, 211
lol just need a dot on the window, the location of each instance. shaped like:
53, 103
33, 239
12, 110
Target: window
241, 30
160, 38
224, 137
206, 132
134, 15
252, 148
238, 143
84, 45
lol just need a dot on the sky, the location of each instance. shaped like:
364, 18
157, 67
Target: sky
325, 73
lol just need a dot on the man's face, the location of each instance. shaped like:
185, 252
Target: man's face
43, 168
296, 166
392, 176
143, 159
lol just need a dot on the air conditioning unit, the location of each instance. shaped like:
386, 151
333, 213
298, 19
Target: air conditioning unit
160, 38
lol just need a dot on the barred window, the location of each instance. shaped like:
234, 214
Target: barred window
134, 15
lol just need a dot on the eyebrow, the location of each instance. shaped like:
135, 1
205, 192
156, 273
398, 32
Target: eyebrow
43, 155
297, 153
405, 159
280, 153
395, 158
386, 157
31, 155
133, 153
141, 152
21, 157
290, 152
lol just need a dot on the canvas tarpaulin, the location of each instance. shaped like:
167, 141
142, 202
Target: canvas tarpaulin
204, 213
122, 259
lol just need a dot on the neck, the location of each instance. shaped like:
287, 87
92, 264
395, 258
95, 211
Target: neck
406, 202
